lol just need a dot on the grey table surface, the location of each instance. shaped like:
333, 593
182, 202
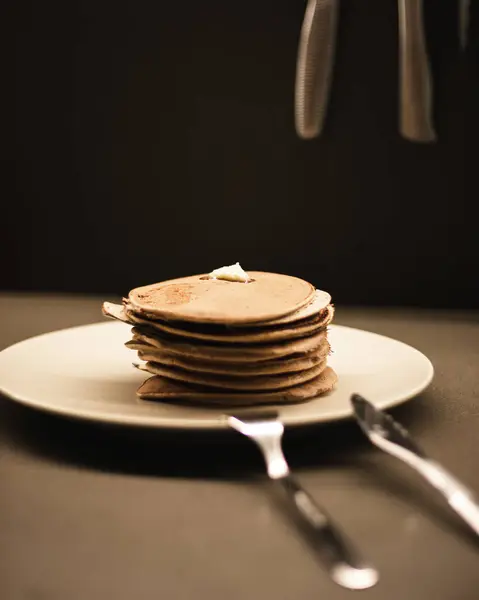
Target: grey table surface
97, 512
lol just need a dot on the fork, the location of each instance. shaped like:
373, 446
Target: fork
341, 560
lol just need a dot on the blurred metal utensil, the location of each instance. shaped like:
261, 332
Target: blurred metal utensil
464, 8
415, 98
339, 557
314, 66
385, 433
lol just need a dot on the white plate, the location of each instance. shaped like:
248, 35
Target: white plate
86, 372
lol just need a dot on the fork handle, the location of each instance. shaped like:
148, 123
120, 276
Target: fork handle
340, 558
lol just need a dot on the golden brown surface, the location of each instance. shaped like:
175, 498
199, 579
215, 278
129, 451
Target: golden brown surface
268, 296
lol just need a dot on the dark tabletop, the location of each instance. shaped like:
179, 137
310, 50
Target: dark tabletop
97, 512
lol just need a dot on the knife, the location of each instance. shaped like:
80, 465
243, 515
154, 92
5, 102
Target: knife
464, 8
388, 435
314, 66
415, 99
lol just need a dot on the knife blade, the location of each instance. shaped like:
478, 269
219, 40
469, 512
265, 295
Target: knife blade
388, 435
314, 66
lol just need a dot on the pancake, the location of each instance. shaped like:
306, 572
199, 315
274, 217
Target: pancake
164, 389
272, 367
268, 296
229, 335
238, 353
320, 302
222, 333
231, 382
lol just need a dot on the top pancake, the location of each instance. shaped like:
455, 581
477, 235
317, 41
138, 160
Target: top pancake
269, 296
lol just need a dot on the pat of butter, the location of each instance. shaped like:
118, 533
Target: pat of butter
230, 273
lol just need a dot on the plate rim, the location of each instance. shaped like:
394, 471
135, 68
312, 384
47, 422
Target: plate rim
192, 424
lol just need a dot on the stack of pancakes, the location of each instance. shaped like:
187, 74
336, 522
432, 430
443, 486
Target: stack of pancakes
212, 341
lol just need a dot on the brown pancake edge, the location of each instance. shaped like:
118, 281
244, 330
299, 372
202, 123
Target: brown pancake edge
319, 302
274, 367
229, 353
163, 389
259, 335
232, 382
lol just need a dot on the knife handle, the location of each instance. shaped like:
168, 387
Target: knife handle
415, 121
341, 559
464, 8
467, 508
314, 66
459, 497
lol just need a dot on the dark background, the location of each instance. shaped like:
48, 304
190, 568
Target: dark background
156, 139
